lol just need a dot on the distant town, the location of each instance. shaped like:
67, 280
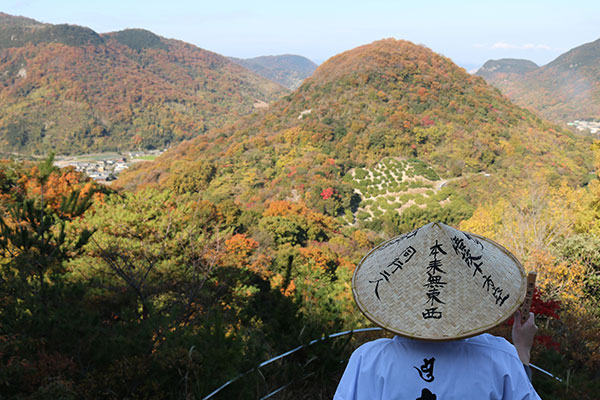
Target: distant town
592, 126
105, 167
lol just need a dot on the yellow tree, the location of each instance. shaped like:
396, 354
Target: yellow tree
529, 223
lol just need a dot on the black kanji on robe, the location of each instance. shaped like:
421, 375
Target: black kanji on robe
427, 395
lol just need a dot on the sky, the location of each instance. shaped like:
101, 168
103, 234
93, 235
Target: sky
468, 32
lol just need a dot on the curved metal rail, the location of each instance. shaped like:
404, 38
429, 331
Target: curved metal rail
334, 335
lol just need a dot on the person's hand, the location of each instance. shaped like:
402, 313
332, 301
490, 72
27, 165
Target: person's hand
522, 336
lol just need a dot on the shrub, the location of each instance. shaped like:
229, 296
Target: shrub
363, 215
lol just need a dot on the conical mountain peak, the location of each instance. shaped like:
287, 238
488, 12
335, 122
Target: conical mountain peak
380, 56
390, 98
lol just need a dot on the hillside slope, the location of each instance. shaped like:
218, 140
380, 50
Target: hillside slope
287, 70
492, 69
67, 89
387, 99
564, 90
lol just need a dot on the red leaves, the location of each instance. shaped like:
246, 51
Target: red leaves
426, 121
547, 342
546, 308
328, 193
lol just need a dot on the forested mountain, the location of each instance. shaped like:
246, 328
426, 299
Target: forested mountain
564, 90
67, 89
287, 70
387, 99
19, 31
495, 68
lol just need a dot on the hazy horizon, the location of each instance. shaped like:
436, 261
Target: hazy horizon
468, 32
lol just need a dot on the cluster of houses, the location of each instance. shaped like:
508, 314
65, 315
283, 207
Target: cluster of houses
592, 126
106, 167
100, 170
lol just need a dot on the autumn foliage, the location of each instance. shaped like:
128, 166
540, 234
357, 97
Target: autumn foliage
239, 245
123, 90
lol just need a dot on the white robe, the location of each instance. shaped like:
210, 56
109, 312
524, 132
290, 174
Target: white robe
480, 368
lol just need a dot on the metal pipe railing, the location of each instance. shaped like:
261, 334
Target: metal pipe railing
334, 335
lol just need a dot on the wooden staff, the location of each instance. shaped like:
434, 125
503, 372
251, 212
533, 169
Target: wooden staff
524, 310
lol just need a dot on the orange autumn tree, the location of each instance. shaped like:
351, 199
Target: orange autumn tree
35, 240
324, 278
240, 252
52, 185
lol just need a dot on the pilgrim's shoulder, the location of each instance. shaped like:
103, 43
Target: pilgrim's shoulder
493, 342
374, 348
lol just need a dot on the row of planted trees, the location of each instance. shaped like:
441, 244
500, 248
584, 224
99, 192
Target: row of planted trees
169, 293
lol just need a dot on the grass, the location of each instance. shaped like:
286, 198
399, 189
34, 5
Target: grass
90, 157
147, 157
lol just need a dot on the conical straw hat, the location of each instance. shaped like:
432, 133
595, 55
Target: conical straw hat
438, 283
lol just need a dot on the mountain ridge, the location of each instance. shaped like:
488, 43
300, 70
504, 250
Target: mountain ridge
288, 70
507, 66
564, 90
19, 31
128, 89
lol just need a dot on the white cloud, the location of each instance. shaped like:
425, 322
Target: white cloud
528, 46
502, 45
537, 46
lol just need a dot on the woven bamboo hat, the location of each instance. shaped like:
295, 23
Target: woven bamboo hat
438, 283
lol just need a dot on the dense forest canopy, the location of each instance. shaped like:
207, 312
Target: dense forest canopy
239, 245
